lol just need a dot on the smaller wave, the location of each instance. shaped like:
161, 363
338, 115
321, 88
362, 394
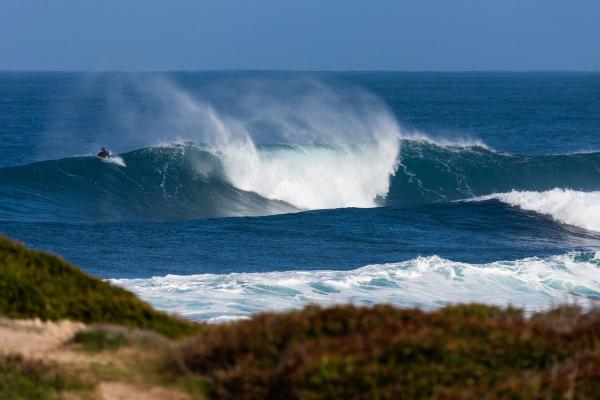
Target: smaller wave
426, 282
457, 142
571, 207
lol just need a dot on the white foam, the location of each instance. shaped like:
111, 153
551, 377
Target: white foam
564, 205
310, 177
353, 169
427, 282
113, 159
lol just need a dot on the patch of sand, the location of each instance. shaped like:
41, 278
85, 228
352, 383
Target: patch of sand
36, 339
126, 391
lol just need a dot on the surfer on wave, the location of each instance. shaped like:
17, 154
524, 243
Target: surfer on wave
103, 153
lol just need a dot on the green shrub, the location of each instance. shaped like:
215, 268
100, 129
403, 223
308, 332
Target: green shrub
36, 284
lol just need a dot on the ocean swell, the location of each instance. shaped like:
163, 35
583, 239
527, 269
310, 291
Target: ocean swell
188, 181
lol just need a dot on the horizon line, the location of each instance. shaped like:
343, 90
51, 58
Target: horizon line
301, 70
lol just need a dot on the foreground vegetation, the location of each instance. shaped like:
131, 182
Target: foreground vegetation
458, 352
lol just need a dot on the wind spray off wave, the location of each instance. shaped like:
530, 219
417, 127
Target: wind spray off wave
333, 149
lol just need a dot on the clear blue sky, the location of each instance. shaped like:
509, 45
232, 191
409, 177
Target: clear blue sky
300, 34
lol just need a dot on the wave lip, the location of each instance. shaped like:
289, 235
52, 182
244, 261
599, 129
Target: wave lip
427, 282
571, 207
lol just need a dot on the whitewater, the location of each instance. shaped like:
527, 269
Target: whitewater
565, 205
425, 282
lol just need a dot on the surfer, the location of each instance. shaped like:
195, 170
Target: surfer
103, 153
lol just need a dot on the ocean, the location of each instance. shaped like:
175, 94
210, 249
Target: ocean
231, 193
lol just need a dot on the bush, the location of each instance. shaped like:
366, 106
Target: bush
472, 351
36, 284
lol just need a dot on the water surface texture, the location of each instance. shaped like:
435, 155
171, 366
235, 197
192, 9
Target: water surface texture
231, 193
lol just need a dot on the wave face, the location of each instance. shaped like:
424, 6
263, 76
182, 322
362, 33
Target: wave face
430, 172
160, 183
426, 282
187, 181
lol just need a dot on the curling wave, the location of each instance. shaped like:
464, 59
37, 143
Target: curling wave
428, 282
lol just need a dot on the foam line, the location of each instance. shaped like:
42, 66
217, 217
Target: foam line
427, 282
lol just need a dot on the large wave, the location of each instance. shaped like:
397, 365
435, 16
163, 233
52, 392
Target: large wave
187, 180
426, 282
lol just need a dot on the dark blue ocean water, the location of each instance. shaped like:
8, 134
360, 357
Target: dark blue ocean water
236, 192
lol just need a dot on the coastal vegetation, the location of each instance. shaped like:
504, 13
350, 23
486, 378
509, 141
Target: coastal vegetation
346, 352
382, 352
34, 284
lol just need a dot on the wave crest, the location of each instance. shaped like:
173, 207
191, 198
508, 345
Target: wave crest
564, 205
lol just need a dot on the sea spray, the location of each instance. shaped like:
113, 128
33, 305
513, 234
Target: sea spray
336, 152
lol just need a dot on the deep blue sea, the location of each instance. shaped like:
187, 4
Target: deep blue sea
231, 193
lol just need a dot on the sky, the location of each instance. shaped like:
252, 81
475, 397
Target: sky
407, 35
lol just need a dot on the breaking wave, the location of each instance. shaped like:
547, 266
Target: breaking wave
187, 180
427, 282
564, 205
